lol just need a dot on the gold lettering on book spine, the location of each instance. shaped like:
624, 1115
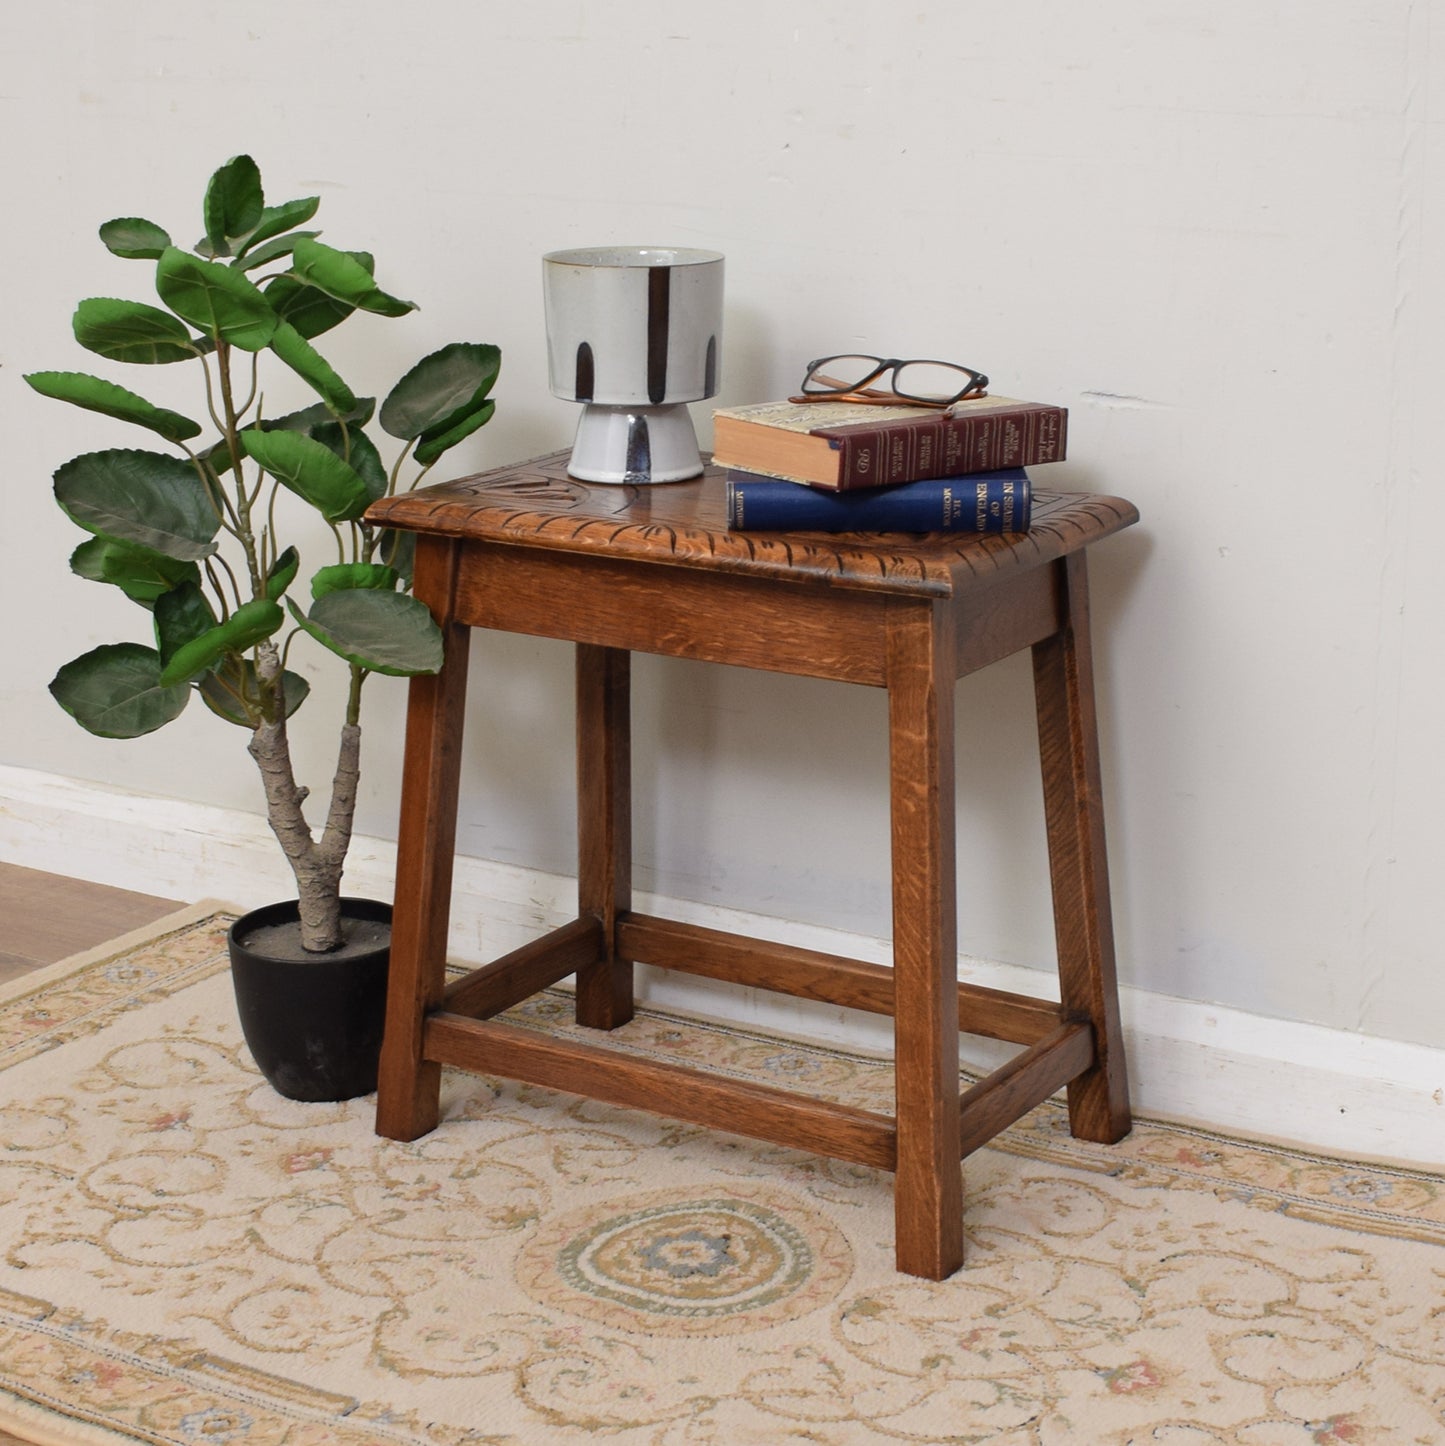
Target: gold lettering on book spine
897, 456
928, 452
983, 446
953, 452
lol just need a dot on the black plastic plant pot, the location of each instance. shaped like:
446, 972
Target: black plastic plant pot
312, 1022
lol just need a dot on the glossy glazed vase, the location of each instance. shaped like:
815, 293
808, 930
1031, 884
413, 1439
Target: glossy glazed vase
633, 333
313, 1024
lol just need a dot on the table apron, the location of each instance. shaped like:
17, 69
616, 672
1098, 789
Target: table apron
810, 630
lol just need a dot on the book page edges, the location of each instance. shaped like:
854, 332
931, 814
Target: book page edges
812, 417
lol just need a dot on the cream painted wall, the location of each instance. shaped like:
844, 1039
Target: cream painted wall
1213, 231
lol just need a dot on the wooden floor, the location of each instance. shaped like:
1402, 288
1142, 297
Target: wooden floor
44, 917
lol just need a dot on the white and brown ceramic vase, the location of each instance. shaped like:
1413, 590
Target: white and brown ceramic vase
634, 334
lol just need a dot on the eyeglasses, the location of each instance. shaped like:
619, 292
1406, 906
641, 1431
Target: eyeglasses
914, 383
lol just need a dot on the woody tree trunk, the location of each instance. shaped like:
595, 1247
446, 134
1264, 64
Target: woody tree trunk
316, 862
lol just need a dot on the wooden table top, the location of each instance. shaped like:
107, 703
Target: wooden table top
536, 504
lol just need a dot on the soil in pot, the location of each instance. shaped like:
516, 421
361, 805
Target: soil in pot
313, 1022
283, 940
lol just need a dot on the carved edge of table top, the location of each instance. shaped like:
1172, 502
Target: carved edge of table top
535, 504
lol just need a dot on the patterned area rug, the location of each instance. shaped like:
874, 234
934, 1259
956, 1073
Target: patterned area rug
185, 1257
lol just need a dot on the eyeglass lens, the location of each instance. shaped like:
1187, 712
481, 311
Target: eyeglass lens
929, 381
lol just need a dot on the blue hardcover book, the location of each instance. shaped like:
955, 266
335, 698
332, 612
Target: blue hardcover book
982, 502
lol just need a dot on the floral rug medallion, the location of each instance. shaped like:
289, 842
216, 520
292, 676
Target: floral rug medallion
680, 1262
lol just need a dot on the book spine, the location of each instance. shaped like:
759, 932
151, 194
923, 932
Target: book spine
996, 502
939, 446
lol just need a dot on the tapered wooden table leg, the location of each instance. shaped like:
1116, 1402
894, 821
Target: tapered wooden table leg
604, 826
409, 1088
928, 1190
1074, 810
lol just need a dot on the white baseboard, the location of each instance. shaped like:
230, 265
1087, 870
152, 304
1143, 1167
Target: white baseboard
1331, 1090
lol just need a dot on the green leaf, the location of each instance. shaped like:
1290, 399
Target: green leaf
134, 238
433, 443
441, 390
233, 692
251, 623
280, 246
221, 302
315, 419
313, 471
115, 691
310, 311
283, 573
385, 632
285, 217
181, 616
147, 498
233, 205
343, 277
142, 575
359, 450
345, 575
98, 395
131, 331
312, 368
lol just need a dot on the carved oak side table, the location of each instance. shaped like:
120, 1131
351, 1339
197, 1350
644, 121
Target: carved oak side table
618, 570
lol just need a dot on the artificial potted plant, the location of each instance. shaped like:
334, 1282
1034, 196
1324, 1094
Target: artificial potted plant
198, 538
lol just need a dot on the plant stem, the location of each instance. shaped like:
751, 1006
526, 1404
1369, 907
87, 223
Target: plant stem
359, 675
231, 431
226, 568
395, 475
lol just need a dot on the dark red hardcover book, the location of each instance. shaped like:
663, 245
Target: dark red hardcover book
844, 445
